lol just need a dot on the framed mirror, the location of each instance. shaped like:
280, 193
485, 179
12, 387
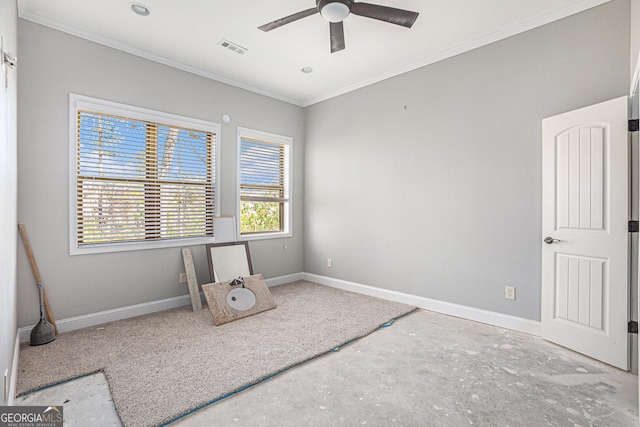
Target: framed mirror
228, 260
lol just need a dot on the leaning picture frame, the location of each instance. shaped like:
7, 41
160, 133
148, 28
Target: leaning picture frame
228, 261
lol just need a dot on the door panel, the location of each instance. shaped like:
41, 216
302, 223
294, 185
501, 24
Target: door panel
579, 198
580, 290
585, 210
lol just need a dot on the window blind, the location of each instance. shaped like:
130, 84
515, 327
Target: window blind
139, 180
264, 185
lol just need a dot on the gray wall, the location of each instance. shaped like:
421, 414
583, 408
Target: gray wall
430, 183
8, 196
53, 64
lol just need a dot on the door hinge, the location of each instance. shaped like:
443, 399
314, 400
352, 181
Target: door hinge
632, 327
634, 125
634, 226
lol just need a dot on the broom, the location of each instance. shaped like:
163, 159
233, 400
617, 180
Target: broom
44, 332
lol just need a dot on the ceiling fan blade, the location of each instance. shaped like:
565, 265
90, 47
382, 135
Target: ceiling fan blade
406, 18
336, 31
288, 19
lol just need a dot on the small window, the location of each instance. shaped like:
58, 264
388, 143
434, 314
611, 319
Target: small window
140, 178
264, 207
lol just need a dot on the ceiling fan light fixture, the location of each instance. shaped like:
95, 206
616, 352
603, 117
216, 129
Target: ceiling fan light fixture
334, 11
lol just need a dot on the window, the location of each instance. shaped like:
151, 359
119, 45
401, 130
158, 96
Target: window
139, 178
264, 206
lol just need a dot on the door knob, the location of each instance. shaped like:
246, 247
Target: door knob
550, 240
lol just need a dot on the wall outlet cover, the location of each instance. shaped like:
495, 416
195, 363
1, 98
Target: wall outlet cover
510, 292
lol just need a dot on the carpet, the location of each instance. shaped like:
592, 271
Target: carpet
164, 365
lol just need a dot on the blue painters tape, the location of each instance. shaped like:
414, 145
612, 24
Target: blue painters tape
26, 393
333, 350
389, 323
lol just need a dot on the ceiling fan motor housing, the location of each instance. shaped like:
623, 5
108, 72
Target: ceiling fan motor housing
334, 10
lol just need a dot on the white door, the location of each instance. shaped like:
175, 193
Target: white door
585, 188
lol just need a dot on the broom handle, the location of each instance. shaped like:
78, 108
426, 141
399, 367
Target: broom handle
36, 273
47, 308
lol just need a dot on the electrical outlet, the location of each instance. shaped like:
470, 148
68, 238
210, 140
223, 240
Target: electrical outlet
510, 292
329, 263
183, 277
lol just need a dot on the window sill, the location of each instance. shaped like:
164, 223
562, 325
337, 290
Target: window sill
138, 246
265, 236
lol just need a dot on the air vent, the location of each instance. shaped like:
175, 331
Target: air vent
232, 46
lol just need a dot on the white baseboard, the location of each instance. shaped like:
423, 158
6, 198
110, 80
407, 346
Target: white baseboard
478, 315
13, 381
94, 319
281, 280
464, 312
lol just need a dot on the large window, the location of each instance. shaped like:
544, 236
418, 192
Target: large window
140, 178
264, 206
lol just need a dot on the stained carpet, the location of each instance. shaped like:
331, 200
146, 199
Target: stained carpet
163, 365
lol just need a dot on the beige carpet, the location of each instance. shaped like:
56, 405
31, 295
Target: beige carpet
164, 365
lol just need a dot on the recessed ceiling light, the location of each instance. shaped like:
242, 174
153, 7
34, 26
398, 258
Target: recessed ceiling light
306, 70
140, 9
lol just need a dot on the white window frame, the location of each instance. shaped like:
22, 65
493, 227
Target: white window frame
81, 102
288, 206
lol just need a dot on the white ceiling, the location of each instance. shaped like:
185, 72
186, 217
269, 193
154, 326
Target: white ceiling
185, 34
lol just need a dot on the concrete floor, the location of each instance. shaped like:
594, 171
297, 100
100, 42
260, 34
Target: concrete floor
425, 369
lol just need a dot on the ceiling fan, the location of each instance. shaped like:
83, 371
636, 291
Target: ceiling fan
335, 11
